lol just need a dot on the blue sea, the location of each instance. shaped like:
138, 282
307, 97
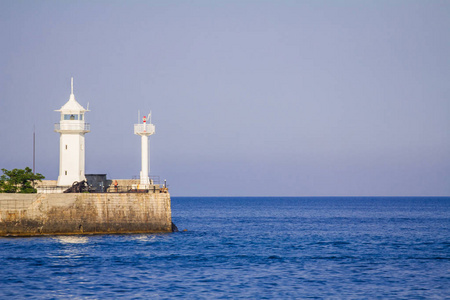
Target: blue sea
257, 248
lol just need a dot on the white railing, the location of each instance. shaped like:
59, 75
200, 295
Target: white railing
86, 127
144, 128
51, 189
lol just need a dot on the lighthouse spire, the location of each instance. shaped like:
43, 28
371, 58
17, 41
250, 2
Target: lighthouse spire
71, 85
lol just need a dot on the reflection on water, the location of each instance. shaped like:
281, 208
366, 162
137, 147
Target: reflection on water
144, 238
72, 239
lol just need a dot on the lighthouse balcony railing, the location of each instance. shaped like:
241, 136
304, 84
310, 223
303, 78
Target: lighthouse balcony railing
73, 127
144, 128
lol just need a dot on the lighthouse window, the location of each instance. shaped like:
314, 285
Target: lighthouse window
65, 172
70, 117
81, 117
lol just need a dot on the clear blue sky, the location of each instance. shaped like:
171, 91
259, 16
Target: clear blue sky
290, 98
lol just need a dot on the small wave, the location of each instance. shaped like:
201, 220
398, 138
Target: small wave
332, 257
274, 257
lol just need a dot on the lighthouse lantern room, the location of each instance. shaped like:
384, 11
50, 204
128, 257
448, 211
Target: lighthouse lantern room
71, 128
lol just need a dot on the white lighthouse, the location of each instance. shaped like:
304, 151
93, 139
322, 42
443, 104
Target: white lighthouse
144, 130
72, 129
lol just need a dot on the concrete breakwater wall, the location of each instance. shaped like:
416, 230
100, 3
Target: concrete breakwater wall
84, 213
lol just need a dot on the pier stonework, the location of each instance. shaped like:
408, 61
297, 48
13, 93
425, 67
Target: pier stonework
84, 213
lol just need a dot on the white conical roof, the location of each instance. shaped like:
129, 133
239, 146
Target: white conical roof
72, 106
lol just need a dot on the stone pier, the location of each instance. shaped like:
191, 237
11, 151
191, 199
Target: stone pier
84, 213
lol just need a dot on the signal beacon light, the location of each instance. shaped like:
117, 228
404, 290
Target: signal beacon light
144, 130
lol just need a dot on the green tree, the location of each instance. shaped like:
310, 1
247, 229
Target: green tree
19, 181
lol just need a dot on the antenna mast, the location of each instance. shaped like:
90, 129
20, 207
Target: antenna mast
34, 148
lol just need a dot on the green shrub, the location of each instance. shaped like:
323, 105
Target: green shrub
19, 181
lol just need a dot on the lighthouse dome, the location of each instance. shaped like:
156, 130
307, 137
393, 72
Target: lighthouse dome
72, 106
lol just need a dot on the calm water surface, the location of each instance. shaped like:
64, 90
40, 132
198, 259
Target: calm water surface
262, 248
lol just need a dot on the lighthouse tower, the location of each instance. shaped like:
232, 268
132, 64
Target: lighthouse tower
144, 130
71, 130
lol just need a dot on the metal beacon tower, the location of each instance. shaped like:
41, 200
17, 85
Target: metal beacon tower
144, 130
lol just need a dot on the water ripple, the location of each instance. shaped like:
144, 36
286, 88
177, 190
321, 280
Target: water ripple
248, 248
